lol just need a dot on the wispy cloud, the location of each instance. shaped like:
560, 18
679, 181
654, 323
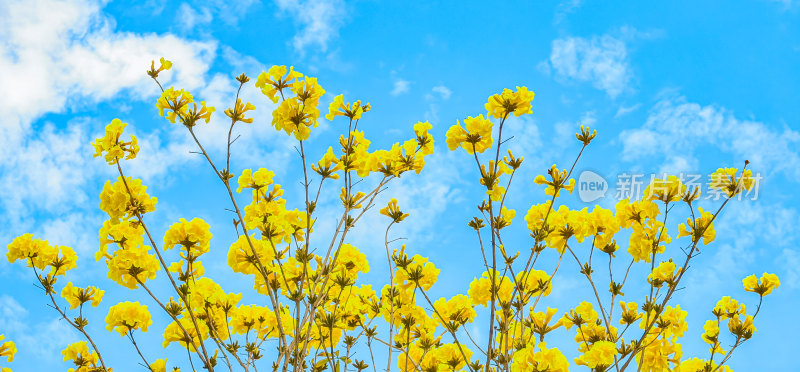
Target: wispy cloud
400, 87
565, 8
60, 55
318, 21
677, 128
442, 91
188, 17
600, 60
58, 51
625, 110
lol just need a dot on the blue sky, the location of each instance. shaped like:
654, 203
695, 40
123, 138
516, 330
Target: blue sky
679, 86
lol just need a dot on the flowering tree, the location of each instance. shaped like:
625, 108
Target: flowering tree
318, 313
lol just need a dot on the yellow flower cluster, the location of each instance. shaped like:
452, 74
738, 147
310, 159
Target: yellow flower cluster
299, 112
731, 181
110, 145
76, 296
666, 190
763, 286
176, 103
125, 317
193, 236
477, 137
517, 102
558, 180
126, 198
701, 227
393, 211
315, 308
351, 111
7, 350
40, 254
81, 357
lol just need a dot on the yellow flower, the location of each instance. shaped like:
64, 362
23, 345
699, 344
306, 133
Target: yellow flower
636, 213
78, 296
293, 117
458, 310
256, 181
36, 252
419, 271
664, 272
176, 102
260, 319
480, 290
582, 314
133, 264
111, 146
764, 286
7, 349
711, 335
193, 236
159, 365
174, 333
673, 320
328, 165
601, 354
630, 312
238, 111
533, 283
350, 261
275, 80
165, 65
476, 138
242, 259
393, 211
127, 316
352, 111
726, 180
503, 104
308, 91
125, 233
558, 181
702, 227
668, 190
191, 117
700, 365
742, 328
351, 201
424, 139
646, 240
527, 359
728, 307
116, 200
79, 354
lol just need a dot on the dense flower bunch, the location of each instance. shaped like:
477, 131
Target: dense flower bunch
316, 312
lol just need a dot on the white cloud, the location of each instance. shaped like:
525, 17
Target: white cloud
601, 60
188, 17
318, 21
58, 52
677, 128
565, 8
625, 110
400, 87
63, 55
203, 12
443, 92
